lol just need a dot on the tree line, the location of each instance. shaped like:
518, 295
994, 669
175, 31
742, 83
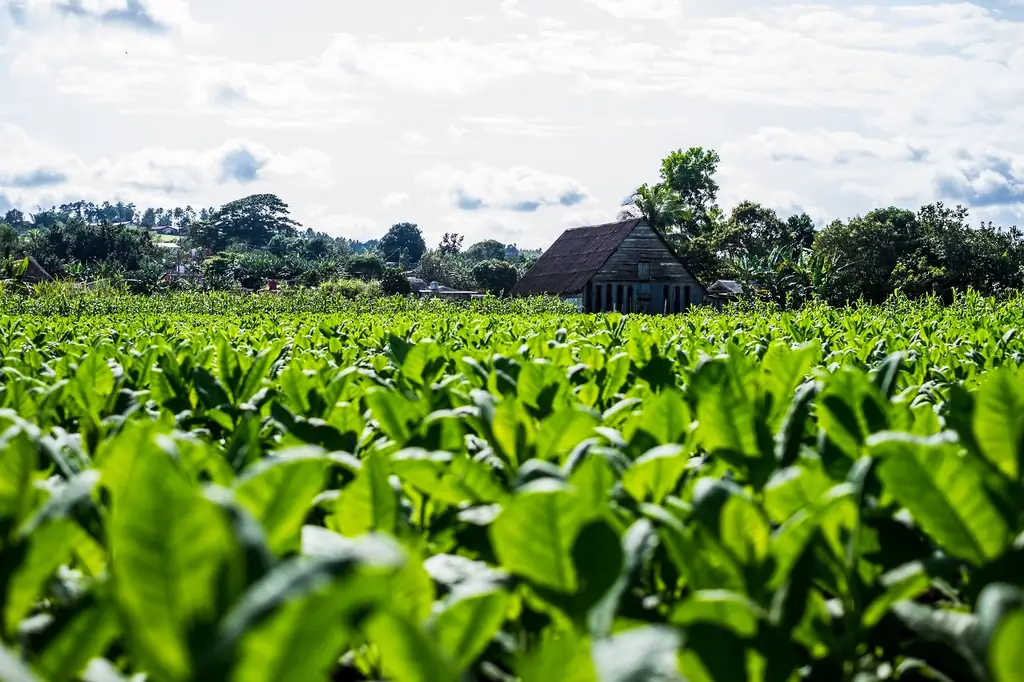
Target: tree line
933, 250
244, 244
787, 259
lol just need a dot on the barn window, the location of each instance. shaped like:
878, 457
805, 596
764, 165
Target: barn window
589, 302
676, 307
629, 299
608, 297
643, 271
664, 299
618, 297
599, 307
686, 296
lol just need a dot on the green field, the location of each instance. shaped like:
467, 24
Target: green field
206, 487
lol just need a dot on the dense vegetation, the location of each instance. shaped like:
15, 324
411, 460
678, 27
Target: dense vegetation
788, 260
440, 494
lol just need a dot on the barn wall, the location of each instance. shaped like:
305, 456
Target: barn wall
643, 244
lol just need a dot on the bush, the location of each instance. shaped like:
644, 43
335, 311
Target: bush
366, 267
217, 274
352, 289
451, 270
395, 283
496, 276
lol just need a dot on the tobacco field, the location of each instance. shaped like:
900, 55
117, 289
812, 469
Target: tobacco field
441, 494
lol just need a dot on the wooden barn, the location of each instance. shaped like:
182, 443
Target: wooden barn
624, 266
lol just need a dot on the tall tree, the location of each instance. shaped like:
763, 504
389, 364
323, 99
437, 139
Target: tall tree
690, 174
488, 249
253, 220
403, 236
450, 244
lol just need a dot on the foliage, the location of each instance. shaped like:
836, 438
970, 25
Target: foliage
450, 270
402, 237
496, 276
217, 273
488, 249
442, 493
352, 289
395, 283
451, 244
366, 266
254, 221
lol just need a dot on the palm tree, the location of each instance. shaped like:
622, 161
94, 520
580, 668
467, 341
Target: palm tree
658, 205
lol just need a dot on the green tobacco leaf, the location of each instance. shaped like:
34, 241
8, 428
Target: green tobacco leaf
468, 621
945, 495
449, 478
638, 546
49, 547
406, 651
1006, 652
562, 431
76, 638
565, 657
17, 463
169, 549
392, 411
534, 534
94, 380
266, 636
655, 475
744, 530
999, 421
783, 368
730, 610
368, 503
278, 492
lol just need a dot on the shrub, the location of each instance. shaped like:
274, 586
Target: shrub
365, 267
496, 276
395, 283
352, 288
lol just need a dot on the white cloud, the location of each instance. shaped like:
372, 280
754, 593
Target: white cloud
346, 225
36, 172
394, 199
520, 189
641, 9
150, 16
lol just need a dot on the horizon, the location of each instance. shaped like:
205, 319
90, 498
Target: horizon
510, 120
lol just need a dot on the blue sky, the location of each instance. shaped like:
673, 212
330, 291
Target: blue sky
510, 119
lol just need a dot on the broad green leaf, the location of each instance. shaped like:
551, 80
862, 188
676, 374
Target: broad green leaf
17, 463
729, 610
49, 547
278, 492
945, 495
407, 653
744, 530
1006, 652
564, 656
94, 380
269, 631
534, 534
468, 622
448, 478
562, 431
792, 489
80, 636
169, 550
369, 503
783, 368
999, 422
655, 475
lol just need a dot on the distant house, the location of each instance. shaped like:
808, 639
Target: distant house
625, 266
35, 272
723, 291
435, 290
172, 231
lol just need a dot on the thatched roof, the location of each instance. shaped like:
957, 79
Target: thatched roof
574, 259
725, 288
35, 272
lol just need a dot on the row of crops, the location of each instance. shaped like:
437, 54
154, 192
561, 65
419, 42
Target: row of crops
441, 495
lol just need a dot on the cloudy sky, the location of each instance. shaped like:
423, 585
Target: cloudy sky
510, 119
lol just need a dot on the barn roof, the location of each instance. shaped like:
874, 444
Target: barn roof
725, 288
574, 259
